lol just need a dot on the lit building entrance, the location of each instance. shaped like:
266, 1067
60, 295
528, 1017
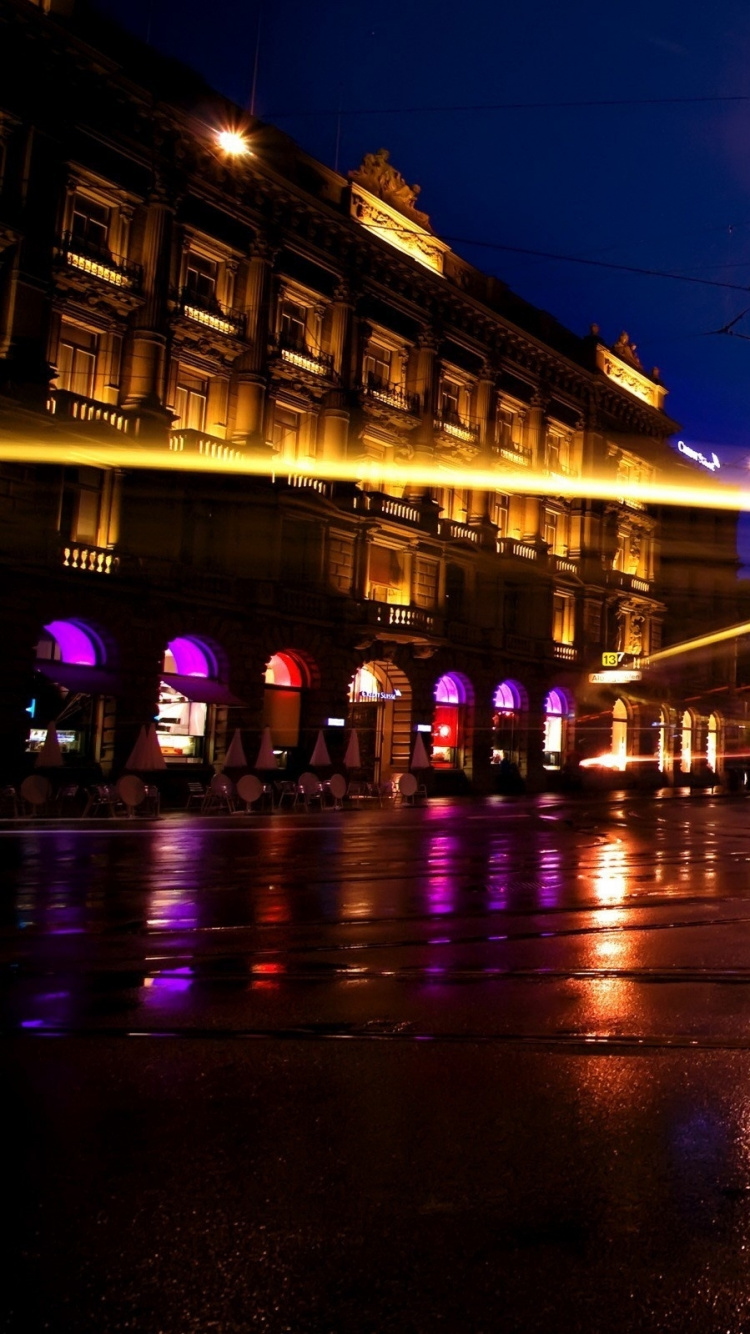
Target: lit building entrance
557, 713
619, 735
509, 706
380, 710
69, 690
451, 721
189, 693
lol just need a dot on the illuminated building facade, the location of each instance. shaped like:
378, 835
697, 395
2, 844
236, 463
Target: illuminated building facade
224, 300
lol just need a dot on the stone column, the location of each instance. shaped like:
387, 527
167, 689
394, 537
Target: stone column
535, 428
425, 384
485, 415
146, 350
249, 377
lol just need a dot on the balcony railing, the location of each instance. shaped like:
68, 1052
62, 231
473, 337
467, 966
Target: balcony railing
391, 507
518, 455
401, 617
629, 582
301, 481
458, 532
95, 560
188, 441
449, 423
211, 313
76, 407
564, 565
391, 396
297, 353
565, 652
99, 262
510, 546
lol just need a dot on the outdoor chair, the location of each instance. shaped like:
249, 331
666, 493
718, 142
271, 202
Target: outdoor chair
250, 789
36, 792
66, 799
131, 791
196, 796
102, 798
335, 788
287, 791
407, 786
309, 788
220, 795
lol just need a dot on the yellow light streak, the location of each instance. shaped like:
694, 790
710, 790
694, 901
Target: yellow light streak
86, 450
703, 641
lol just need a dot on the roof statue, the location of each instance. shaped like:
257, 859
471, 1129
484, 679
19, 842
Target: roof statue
376, 174
627, 351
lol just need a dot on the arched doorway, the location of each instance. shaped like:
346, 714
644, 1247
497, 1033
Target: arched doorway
451, 723
712, 743
509, 707
663, 749
686, 743
380, 710
70, 690
287, 675
558, 714
190, 697
620, 735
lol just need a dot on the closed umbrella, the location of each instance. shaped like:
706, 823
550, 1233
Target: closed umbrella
153, 756
419, 759
266, 758
352, 757
50, 755
138, 753
320, 757
235, 757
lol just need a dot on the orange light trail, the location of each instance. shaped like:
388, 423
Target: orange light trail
90, 452
703, 641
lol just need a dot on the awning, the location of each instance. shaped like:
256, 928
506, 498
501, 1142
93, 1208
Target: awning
202, 690
80, 679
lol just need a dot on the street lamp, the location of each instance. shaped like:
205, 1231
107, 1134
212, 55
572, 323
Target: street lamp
233, 143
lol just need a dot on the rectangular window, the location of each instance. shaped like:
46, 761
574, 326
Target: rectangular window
190, 400
76, 359
200, 279
89, 226
499, 513
377, 366
450, 400
386, 575
550, 528
81, 500
505, 428
563, 619
293, 325
285, 432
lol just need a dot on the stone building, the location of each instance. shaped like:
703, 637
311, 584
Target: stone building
223, 299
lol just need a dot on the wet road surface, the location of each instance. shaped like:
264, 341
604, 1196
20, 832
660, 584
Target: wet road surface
478, 1066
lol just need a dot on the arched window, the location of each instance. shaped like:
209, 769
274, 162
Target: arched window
555, 719
620, 735
509, 702
287, 675
453, 695
712, 743
282, 670
67, 687
662, 748
189, 657
183, 724
72, 642
686, 743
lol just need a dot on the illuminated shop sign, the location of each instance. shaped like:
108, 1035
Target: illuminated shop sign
713, 464
373, 697
614, 677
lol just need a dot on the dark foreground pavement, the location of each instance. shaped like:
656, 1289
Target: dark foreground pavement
470, 1068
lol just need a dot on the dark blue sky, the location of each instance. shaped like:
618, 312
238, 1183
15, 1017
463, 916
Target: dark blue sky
663, 187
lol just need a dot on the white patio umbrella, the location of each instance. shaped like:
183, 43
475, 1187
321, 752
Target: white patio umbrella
266, 758
137, 755
420, 758
153, 756
235, 757
50, 755
352, 757
320, 757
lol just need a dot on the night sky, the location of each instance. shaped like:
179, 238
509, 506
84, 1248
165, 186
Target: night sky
657, 187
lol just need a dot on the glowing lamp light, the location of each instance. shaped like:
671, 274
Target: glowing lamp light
233, 143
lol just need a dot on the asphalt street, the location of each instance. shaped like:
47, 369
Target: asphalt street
472, 1066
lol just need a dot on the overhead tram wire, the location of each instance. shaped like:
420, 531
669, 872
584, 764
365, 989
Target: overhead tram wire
579, 104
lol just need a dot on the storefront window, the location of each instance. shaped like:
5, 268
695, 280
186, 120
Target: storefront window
508, 703
181, 723
686, 746
449, 722
282, 702
712, 743
555, 720
620, 735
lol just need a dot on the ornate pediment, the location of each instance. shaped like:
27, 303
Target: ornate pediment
376, 174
